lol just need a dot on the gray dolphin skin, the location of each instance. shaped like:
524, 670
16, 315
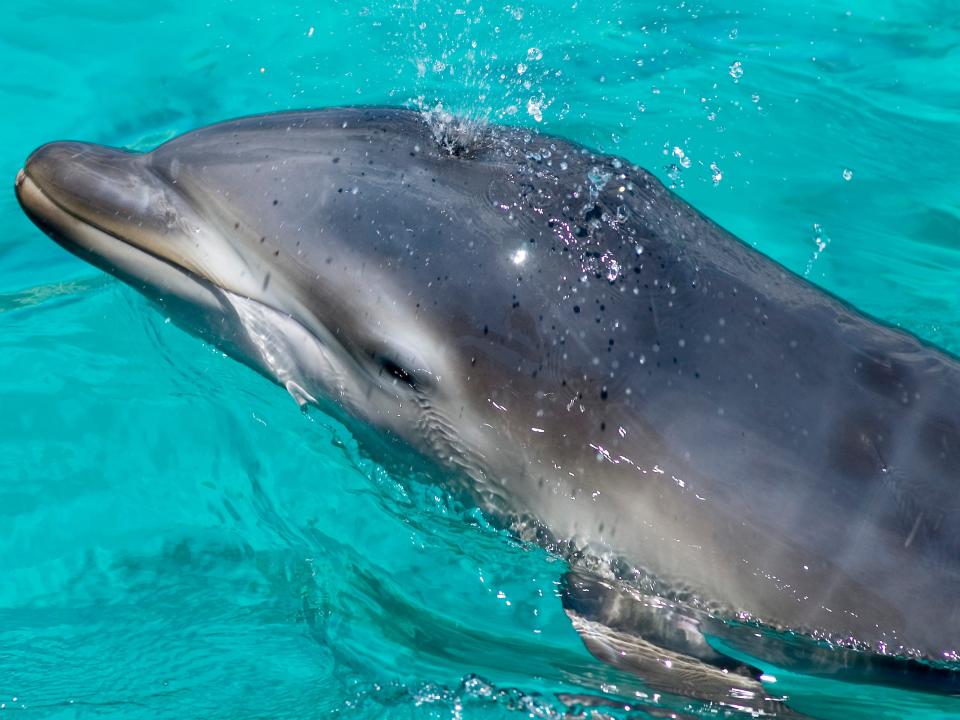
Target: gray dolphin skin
733, 460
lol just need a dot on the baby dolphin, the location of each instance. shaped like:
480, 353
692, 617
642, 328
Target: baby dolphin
740, 467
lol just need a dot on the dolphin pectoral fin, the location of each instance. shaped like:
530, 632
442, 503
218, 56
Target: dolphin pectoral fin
689, 652
650, 638
299, 394
657, 621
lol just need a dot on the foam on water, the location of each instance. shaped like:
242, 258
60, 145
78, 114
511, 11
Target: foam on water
178, 540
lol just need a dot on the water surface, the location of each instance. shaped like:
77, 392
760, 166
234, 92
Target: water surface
179, 541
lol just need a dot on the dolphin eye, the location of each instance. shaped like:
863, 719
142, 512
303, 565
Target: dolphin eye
397, 371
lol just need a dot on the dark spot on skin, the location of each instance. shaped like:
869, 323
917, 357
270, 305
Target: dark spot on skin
263, 239
485, 330
603, 393
603, 426
576, 309
336, 160
276, 202
266, 280
236, 226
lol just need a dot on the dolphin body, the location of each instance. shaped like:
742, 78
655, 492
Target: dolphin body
597, 364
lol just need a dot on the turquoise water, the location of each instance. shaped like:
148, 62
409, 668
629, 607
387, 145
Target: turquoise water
179, 541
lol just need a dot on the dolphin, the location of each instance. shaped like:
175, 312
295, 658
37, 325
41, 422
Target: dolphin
734, 461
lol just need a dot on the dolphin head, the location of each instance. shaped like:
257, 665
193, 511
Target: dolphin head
338, 253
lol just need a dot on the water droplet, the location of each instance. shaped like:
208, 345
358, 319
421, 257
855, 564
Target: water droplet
613, 270
717, 173
597, 180
821, 239
736, 70
534, 53
847, 174
535, 108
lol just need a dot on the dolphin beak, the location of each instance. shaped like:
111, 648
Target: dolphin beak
67, 184
108, 207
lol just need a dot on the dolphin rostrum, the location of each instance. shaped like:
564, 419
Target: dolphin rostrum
722, 449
